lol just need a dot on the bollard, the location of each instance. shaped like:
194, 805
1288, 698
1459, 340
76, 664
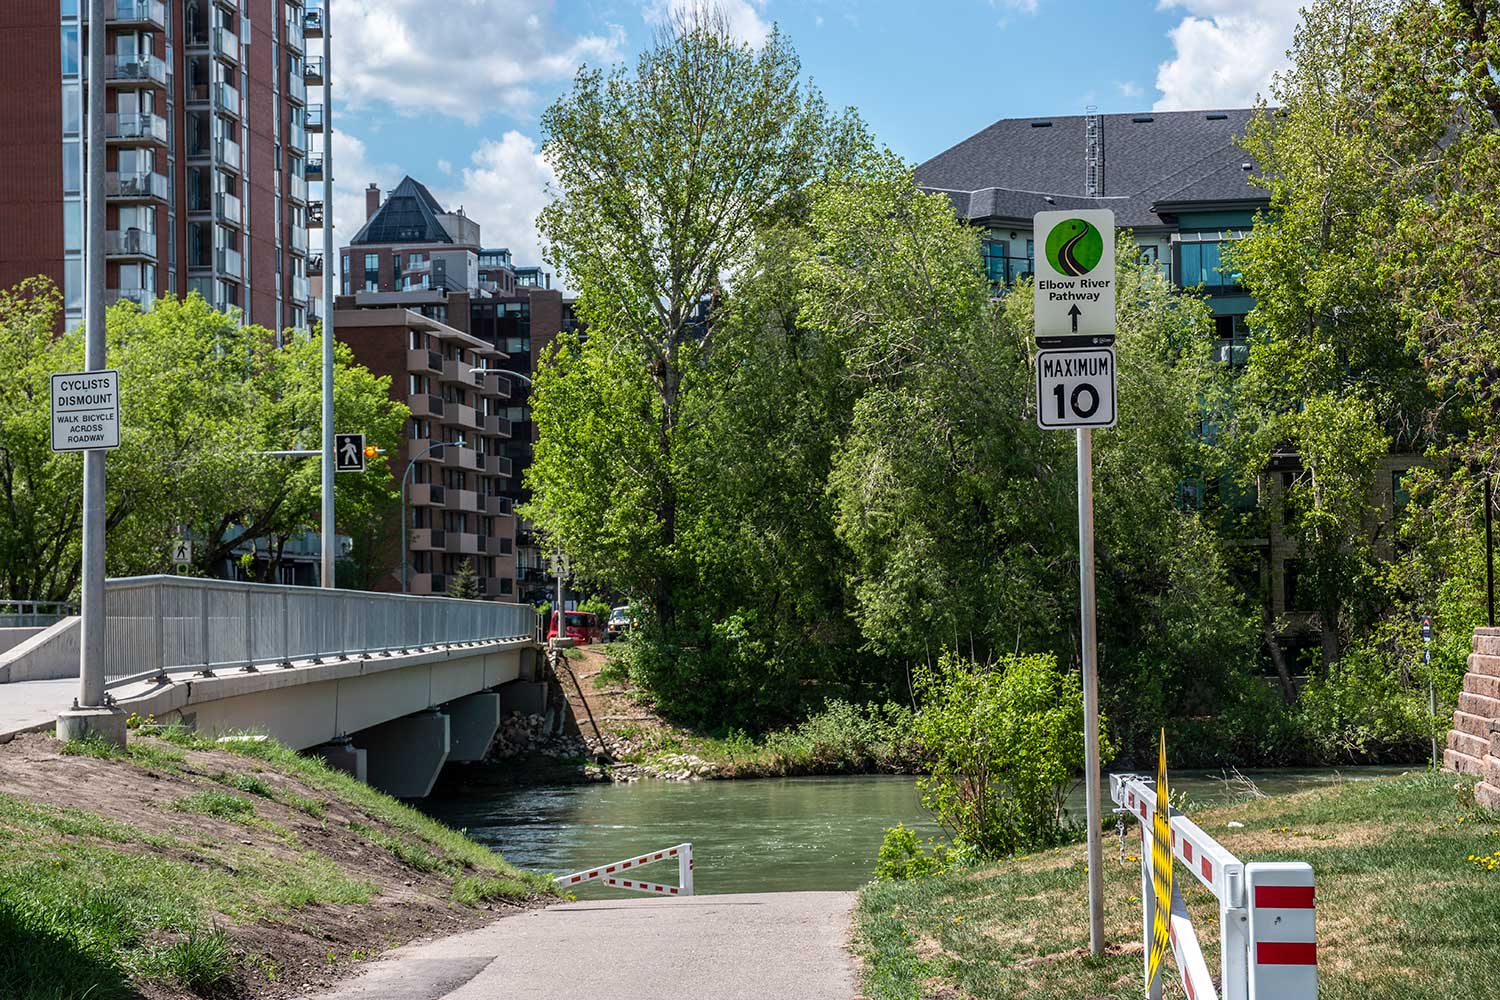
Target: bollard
1283, 938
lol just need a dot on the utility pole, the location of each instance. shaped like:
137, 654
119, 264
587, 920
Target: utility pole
91, 715
329, 532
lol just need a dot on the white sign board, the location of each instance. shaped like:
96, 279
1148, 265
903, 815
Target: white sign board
86, 411
1074, 281
1076, 388
182, 551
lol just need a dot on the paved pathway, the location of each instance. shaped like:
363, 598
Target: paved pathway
28, 703
752, 946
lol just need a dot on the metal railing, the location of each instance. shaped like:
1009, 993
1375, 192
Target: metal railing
33, 614
163, 623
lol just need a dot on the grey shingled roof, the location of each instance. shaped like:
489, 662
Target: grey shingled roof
1013, 169
409, 215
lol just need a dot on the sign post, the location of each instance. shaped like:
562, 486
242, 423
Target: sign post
1431, 691
1074, 298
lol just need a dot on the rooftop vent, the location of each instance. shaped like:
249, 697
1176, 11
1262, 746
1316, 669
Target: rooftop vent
1139, 119
1216, 116
1041, 124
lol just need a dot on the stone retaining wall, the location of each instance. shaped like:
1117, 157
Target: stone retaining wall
1474, 741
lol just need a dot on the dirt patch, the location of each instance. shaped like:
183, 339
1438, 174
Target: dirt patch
282, 947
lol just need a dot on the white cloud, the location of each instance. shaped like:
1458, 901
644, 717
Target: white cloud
1129, 88
445, 167
744, 16
353, 172
465, 59
1225, 51
503, 188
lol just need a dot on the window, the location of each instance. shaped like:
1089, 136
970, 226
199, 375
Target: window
73, 225
1200, 261
372, 262
70, 51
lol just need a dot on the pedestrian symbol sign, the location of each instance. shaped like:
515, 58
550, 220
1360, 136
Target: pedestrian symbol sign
1074, 286
349, 452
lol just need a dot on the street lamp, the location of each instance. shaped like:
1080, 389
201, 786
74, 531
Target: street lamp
405, 477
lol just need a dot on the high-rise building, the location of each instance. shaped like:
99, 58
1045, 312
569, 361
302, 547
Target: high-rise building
207, 124
425, 301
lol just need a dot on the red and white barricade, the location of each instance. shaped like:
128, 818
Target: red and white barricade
614, 875
1268, 941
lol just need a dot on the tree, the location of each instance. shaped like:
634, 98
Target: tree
464, 585
665, 175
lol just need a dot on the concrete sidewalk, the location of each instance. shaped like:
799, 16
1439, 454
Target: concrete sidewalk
733, 947
27, 704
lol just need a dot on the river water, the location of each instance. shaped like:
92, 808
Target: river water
748, 836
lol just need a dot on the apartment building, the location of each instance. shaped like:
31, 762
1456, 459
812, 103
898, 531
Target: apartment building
208, 124
1182, 184
416, 260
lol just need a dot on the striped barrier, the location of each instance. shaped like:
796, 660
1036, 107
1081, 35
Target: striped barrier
1268, 941
612, 875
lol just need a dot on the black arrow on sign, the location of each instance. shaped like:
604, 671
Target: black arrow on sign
1075, 313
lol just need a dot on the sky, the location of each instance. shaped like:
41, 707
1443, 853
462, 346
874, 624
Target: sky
452, 93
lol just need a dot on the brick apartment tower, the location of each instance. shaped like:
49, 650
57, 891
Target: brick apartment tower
208, 130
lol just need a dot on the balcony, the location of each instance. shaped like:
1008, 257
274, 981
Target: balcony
429, 583
312, 23
315, 215
312, 74
462, 416
146, 186
424, 361
148, 15
136, 71
230, 263
425, 405
296, 136
497, 506
296, 188
227, 153
225, 45
464, 500
301, 288
296, 37
497, 425
297, 240
142, 297
228, 210
130, 244
226, 99
135, 130
296, 88
428, 539
498, 465
462, 543
315, 118
426, 495
461, 458
312, 168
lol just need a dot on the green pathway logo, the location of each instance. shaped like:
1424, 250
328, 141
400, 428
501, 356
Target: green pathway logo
1074, 248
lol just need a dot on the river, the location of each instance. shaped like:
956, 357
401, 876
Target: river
748, 836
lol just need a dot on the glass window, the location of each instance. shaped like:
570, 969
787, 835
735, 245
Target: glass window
372, 262
68, 8
72, 109
72, 167
73, 280
73, 225
70, 51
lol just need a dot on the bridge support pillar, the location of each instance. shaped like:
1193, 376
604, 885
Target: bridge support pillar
405, 755
474, 721
341, 755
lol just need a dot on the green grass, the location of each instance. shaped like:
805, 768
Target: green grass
409, 853
199, 962
1403, 913
472, 891
220, 805
248, 783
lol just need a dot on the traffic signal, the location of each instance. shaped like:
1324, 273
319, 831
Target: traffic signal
371, 451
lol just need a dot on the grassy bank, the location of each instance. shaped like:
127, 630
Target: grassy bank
1407, 905
181, 867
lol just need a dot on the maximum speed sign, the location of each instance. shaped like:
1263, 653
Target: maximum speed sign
1075, 388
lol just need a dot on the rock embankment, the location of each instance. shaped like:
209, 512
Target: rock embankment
523, 735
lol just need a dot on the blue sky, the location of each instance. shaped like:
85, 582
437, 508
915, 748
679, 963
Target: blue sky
455, 100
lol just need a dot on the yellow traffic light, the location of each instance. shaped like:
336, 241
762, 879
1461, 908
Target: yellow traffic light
371, 451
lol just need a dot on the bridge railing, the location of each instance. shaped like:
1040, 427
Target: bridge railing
157, 623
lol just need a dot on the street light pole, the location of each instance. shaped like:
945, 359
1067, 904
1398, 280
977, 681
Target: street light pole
91, 664
328, 527
405, 476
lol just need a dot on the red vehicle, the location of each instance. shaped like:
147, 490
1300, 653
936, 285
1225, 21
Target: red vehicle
582, 627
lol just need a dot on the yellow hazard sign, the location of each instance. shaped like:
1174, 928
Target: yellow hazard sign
1161, 868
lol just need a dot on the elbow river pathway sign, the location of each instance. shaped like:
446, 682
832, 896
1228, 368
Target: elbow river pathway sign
1074, 296
86, 410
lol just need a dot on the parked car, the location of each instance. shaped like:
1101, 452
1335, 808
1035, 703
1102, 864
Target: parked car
580, 626
620, 623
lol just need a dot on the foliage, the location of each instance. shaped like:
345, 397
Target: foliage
1003, 742
464, 585
903, 857
596, 606
202, 399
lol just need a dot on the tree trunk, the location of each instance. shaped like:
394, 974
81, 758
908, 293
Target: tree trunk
1288, 686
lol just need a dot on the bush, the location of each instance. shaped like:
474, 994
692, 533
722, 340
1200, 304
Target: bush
1361, 712
901, 857
1003, 742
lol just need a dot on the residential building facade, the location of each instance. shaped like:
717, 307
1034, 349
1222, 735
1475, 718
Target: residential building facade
414, 259
207, 125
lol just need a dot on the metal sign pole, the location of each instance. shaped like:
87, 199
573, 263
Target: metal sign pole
330, 537
91, 659
1489, 546
1090, 646
1431, 689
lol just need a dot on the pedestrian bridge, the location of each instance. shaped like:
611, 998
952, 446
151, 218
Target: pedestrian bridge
387, 686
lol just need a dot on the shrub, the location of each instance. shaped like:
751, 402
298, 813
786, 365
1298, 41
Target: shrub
1003, 742
1362, 712
902, 857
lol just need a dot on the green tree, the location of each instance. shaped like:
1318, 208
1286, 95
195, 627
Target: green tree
464, 585
665, 175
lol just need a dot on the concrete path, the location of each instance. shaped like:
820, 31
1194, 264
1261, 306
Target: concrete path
26, 704
752, 946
